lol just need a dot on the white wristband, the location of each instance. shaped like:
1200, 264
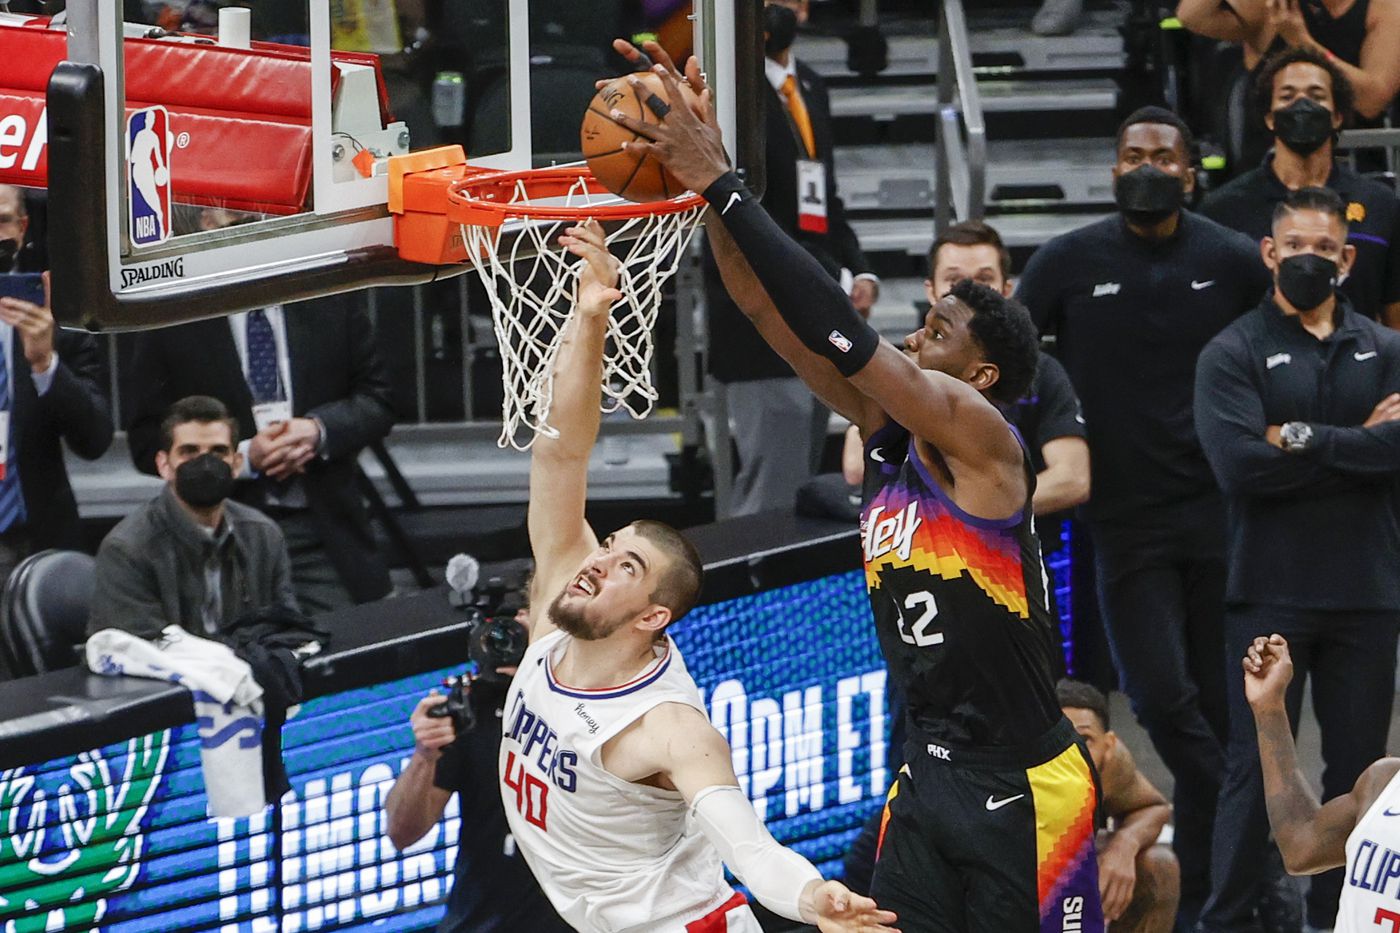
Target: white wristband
777, 876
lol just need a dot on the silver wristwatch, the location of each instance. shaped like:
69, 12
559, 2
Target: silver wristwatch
1296, 436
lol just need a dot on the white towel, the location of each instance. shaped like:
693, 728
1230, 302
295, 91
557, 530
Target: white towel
227, 706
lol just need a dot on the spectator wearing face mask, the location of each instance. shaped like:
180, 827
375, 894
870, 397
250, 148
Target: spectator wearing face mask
190, 557
1305, 101
777, 425
1298, 409
1132, 300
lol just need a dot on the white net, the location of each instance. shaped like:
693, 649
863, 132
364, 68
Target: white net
531, 287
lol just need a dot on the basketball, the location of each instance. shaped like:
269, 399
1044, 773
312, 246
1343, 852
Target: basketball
623, 173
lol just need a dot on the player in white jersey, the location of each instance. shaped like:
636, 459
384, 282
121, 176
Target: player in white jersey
1359, 830
619, 791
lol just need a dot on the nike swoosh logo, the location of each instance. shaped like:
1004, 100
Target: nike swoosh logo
1363, 357
877, 456
1389, 812
1200, 285
733, 196
998, 804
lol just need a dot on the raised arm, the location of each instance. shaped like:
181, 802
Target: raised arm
1311, 837
946, 412
1216, 19
678, 744
817, 372
560, 537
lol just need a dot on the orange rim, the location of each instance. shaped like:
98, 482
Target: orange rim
484, 200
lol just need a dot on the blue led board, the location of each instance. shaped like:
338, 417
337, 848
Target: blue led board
117, 838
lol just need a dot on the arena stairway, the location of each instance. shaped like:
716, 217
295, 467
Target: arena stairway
1051, 105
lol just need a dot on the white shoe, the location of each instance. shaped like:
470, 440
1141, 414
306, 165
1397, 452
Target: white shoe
1057, 17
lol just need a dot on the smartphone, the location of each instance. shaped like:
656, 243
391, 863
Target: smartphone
26, 286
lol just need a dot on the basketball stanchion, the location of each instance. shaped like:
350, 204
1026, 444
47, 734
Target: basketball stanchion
530, 279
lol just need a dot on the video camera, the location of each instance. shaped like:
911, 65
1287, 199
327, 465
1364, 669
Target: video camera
495, 640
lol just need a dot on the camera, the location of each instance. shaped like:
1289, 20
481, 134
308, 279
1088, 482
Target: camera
458, 705
495, 639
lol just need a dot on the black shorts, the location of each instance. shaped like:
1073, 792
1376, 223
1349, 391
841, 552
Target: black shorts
992, 839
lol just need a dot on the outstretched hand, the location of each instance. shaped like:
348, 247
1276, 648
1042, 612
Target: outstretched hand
690, 147
598, 273
1268, 670
841, 910
692, 84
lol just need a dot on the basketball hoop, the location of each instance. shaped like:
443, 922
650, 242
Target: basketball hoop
531, 283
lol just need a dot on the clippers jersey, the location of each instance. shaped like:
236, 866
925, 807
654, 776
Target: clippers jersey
959, 603
1371, 893
611, 855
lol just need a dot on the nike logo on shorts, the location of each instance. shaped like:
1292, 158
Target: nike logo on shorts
993, 804
877, 456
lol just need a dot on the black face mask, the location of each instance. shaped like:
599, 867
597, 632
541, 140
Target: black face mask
1147, 195
1303, 126
204, 481
780, 25
1307, 280
9, 249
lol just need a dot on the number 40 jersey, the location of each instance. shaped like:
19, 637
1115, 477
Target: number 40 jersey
960, 604
611, 855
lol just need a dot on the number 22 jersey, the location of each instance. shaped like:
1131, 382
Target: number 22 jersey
959, 603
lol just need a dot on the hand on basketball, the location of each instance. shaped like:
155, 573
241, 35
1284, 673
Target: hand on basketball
35, 327
691, 150
693, 91
838, 909
598, 273
431, 734
1268, 669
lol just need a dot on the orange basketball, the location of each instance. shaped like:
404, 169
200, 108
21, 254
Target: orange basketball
624, 173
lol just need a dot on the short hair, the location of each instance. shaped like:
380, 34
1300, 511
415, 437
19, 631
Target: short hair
1343, 95
204, 409
1312, 198
21, 205
970, 233
1153, 114
1004, 330
1076, 694
678, 585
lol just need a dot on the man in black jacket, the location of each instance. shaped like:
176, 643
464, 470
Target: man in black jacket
309, 391
1132, 301
54, 392
777, 425
1298, 412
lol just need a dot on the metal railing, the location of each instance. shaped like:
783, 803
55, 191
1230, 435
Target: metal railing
1386, 138
961, 186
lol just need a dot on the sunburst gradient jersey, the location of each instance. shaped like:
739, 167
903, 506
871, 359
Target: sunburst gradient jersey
959, 604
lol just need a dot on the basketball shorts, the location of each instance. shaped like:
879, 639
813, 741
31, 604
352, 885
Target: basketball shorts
992, 839
729, 912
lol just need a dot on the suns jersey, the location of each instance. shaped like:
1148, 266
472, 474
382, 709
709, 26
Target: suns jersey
1370, 900
610, 854
959, 603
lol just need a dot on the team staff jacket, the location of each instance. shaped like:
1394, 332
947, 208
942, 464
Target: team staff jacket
959, 603
1373, 218
1130, 317
1316, 528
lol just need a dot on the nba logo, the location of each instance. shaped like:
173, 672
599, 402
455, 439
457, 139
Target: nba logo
148, 175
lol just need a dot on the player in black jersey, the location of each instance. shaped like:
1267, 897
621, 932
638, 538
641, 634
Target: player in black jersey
990, 825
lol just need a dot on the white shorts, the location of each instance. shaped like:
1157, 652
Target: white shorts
728, 914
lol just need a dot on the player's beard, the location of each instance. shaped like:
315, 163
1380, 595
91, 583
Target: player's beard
571, 618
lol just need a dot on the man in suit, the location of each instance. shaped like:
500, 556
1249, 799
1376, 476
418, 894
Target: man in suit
52, 390
309, 391
776, 424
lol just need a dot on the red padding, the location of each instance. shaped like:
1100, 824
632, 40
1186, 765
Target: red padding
246, 113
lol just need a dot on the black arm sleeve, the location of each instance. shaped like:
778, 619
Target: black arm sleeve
809, 301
